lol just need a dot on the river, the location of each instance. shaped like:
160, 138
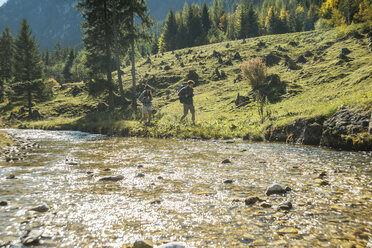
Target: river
179, 190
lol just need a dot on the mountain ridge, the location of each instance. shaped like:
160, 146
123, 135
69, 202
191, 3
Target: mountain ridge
58, 21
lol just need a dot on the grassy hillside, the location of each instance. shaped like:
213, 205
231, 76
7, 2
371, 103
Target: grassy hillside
316, 89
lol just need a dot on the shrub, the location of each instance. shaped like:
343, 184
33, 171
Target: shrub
255, 72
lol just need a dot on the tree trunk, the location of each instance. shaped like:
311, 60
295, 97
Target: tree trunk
29, 100
134, 97
108, 61
117, 57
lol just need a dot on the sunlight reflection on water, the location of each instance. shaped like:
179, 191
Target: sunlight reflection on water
181, 194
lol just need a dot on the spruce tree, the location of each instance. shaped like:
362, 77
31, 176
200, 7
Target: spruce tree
206, 21
68, 65
99, 41
28, 65
7, 51
170, 32
194, 26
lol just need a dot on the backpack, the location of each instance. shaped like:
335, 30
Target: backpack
181, 98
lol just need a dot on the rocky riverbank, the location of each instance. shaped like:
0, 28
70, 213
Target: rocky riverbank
347, 129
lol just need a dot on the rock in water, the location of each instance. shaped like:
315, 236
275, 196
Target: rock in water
41, 209
142, 244
112, 179
228, 181
265, 205
275, 189
226, 161
10, 177
173, 245
32, 237
140, 175
251, 200
3, 203
286, 206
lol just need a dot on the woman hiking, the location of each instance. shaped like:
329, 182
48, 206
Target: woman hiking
146, 98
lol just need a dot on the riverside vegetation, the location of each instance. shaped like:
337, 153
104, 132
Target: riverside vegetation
312, 76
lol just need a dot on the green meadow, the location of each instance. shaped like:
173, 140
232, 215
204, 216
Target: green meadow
322, 82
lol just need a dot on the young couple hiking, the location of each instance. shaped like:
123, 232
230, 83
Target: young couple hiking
186, 94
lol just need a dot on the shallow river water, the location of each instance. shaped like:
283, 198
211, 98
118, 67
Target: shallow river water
177, 190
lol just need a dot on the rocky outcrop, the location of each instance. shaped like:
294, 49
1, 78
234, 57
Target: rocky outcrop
347, 130
301, 131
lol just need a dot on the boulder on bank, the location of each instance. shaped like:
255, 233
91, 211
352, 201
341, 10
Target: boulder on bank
348, 130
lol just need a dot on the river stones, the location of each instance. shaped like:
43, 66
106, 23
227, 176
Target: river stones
229, 181
285, 206
112, 179
226, 161
251, 200
3, 203
41, 209
173, 245
32, 237
140, 175
265, 205
11, 177
275, 189
142, 244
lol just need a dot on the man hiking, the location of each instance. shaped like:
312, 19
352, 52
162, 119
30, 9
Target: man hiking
186, 95
146, 98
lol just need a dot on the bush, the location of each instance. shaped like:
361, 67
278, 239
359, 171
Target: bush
254, 70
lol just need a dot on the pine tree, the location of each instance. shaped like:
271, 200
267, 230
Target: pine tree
194, 26
68, 65
170, 32
247, 25
7, 51
273, 23
29, 68
206, 21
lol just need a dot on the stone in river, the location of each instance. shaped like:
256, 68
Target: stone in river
322, 175
107, 169
3, 203
32, 237
142, 244
112, 179
324, 183
41, 209
285, 206
265, 205
228, 181
10, 177
160, 178
275, 189
226, 161
173, 245
251, 200
140, 175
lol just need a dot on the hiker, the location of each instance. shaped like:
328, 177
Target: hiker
186, 95
146, 98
